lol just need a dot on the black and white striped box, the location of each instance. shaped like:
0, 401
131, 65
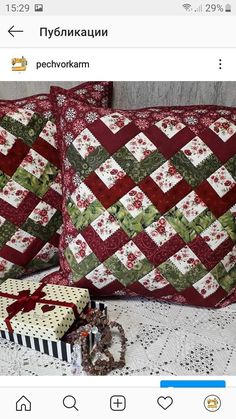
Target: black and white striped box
59, 349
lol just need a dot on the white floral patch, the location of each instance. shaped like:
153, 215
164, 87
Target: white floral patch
191, 206
101, 277
20, 241
196, 151
110, 172
130, 255
2, 221
98, 87
91, 116
170, 126
115, 121
184, 260
214, 235
221, 181
21, 115
105, 225
81, 91
160, 231
80, 248
70, 114
34, 163
166, 176
42, 213
56, 185
207, 285
7, 140
5, 266
49, 133
154, 281
229, 260
141, 147
85, 143
13, 193
60, 98
47, 252
30, 106
83, 197
223, 128
135, 201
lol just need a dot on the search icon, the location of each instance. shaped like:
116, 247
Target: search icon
70, 402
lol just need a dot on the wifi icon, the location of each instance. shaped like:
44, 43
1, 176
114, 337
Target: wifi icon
187, 7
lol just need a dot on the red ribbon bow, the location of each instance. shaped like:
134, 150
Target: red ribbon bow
25, 302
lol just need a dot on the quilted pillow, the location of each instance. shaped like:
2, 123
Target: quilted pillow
30, 181
149, 202
94, 94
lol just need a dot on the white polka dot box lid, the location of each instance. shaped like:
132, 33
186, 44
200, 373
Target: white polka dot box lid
39, 310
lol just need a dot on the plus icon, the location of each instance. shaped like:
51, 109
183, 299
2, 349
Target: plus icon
117, 403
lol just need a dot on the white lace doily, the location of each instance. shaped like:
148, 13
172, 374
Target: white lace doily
163, 339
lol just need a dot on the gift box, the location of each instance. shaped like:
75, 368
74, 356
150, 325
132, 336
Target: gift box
60, 349
37, 310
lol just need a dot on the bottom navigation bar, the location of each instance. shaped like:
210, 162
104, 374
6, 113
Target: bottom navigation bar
105, 401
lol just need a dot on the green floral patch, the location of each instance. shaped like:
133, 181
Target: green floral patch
83, 219
189, 230
3, 179
14, 272
81, 269
138, 170
227, 280
85, 166
97, 157
181, 281
43, 233
37, 186
231, 167
29, 133
37, 264
78, 163
227, 220
195, 175
7, 230
128, 276
132, 226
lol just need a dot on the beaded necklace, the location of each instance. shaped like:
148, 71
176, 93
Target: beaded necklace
100, 360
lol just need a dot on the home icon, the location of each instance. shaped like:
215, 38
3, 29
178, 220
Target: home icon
23, 405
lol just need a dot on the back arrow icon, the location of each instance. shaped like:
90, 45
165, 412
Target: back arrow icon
11, 31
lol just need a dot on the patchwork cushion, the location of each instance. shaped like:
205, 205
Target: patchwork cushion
30, 182
150, 202
94, 93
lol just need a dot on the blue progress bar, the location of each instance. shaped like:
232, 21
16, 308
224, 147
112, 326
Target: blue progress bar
193, 384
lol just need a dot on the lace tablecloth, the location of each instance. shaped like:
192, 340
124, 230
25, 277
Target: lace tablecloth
163, 339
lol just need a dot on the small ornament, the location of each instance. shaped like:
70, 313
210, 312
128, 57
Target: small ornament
46, 308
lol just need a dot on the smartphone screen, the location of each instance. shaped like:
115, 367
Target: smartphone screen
117, 209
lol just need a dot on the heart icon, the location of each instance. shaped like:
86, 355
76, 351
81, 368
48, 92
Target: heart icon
47, 308
165, 402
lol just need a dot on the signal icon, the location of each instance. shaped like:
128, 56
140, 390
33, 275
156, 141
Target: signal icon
199, 9
187, 7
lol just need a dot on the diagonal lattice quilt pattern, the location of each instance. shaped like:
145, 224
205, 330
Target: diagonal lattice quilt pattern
150, 202
30, 177
30, 192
